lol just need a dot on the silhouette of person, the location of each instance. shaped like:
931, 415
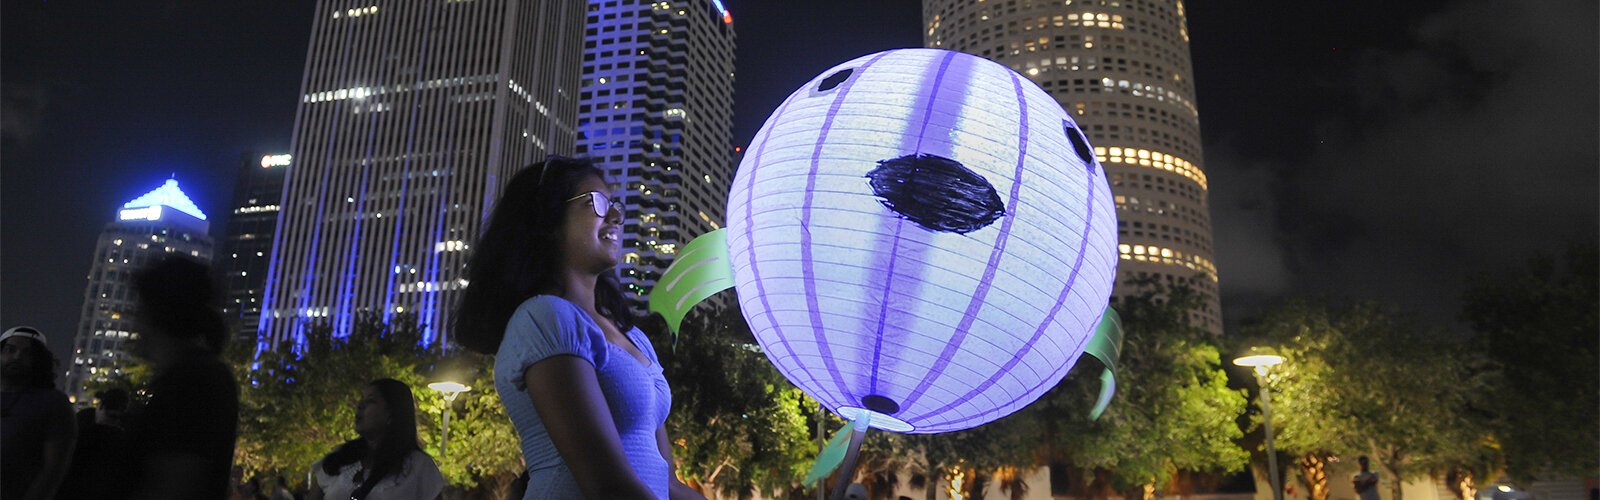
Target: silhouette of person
36, 426
181, 445
101, 445
1366, 481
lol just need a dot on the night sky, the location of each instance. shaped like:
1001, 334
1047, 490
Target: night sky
1363, 149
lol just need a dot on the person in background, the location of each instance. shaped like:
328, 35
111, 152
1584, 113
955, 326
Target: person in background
101, 445
181, 445
36, 425
384, 462
1366, 481
281, 490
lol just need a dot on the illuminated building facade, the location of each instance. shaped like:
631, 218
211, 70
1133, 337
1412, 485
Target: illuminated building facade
246, 245
159, 223
1122, 68
656, 112
413, 115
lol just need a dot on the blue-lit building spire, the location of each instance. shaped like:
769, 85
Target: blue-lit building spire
168, 195
153, 226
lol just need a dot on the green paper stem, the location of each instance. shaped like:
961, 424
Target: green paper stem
701, 270
831, 456
1106, 346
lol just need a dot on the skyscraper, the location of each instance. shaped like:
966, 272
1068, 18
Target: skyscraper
655, 111
412, 116
1122, 68
159, 223
247, 243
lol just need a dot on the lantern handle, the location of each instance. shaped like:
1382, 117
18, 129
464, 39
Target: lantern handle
847, 473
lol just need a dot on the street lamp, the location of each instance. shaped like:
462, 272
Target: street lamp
450, 391
1262, 360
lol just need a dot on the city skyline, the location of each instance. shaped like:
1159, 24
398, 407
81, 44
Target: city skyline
412, 117
1349, 153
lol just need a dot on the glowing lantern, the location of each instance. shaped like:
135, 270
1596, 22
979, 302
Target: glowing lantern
921, 235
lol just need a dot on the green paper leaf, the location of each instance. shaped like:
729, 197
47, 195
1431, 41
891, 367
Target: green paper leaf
701, 270
1106, 346
831, 456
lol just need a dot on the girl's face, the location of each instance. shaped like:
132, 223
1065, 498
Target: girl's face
372, 414
591, 243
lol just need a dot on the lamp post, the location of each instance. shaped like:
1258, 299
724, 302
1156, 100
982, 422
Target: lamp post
450, 391
1262, 360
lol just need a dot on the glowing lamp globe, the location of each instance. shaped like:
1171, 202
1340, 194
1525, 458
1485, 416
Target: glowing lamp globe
921, 237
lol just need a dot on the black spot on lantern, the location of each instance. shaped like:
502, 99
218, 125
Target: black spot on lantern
937, 193
834, 80
1080, 145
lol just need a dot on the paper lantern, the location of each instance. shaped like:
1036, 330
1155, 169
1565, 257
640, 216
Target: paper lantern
924, 235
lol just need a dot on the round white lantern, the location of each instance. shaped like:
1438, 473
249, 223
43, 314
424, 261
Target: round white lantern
924, 235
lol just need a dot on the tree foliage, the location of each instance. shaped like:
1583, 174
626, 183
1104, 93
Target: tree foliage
1173, 409
1538, 324
296, 407
1363, 379
738, 426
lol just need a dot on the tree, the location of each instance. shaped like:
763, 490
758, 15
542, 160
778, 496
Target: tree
737, 425
1363, 378
296, 407
1305, 424
1173, 409
1538, 324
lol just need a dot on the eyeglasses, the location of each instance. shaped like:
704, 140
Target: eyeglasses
601, 203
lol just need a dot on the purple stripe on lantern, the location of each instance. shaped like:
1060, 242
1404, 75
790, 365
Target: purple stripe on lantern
982, 292
883, 309
899, 223
927, 112
1066, 292
750, 246
807, 273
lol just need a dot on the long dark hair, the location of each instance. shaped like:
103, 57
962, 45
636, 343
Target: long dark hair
178, 298
519, 255
399, 438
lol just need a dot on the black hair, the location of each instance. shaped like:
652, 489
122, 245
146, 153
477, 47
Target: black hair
518, 255
43, 374
177, 298
399, 438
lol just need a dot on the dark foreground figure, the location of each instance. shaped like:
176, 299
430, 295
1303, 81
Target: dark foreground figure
181, 445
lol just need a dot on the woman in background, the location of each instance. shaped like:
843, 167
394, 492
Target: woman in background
385, 462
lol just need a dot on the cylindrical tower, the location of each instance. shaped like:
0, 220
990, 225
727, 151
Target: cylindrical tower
1122, 68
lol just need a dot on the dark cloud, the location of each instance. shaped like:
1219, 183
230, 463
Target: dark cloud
22, 106
1244, 212
1467, 151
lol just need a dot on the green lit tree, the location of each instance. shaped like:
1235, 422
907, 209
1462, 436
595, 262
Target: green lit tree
1306, 424
1362, 378
296, 407
738, 427
1173, 409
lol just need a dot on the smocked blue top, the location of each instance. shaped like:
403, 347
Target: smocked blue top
637, 394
